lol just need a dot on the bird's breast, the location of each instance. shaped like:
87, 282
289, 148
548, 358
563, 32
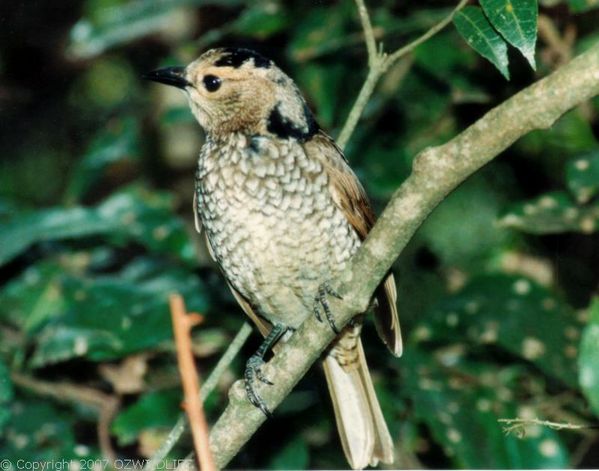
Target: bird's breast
270, 218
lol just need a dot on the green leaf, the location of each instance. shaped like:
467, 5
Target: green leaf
33, 298
460, 403
148, 218
476, 30
41, 432
262, 20
571, 135
314, 29
7, 207
552, 213
320, 83
118, 142
433, 105
582, 175
516, 20
108, 85
442, 57
385, 168
129, 215
158, 409
259, 20
589, 358
180, 114
462, 245
66, 314
6, 396
111, 316
115, 25
35, 173
28, 228
293, 455
579, 6
513, 313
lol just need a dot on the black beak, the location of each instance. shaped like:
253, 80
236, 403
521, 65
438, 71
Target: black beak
174, 76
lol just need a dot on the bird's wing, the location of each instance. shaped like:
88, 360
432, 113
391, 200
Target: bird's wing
262, 324
350, 197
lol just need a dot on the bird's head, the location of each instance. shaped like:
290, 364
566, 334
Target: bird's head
238, 90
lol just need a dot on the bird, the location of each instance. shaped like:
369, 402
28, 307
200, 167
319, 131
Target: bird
282, 214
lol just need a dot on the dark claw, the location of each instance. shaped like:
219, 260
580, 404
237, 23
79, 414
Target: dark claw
263, 378
253, 371
317, 310
329, 290
321, 298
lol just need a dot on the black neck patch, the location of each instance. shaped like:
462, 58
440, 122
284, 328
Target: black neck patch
236, 57
282, 127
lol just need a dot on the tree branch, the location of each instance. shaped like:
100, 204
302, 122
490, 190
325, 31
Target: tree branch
106, 404
395, 56
368, 32
379, 62
436, 172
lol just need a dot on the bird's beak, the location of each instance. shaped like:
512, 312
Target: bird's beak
174, 76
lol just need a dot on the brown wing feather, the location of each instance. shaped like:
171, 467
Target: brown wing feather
262, 324
351, 198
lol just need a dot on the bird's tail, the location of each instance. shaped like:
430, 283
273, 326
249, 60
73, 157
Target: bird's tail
362, 428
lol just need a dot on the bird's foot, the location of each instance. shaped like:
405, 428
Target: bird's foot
253, 372
321, 302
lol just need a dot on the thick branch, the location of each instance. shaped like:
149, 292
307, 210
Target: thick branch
436, 171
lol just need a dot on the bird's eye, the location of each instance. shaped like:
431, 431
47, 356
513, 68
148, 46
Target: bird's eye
211, 82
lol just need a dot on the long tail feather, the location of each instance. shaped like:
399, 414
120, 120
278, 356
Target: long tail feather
362, 429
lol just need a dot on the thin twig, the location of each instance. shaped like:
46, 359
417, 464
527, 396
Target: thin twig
379, 62
395, 56
359, 105
368, 32
108, 411
518, 425
558, 46
190, 378
106, 404
181, 426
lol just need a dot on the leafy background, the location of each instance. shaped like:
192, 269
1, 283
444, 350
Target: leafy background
96, 174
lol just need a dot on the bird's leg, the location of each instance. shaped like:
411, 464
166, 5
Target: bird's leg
253, 368
320, 300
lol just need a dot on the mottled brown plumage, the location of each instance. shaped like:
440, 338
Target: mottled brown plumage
282, 214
